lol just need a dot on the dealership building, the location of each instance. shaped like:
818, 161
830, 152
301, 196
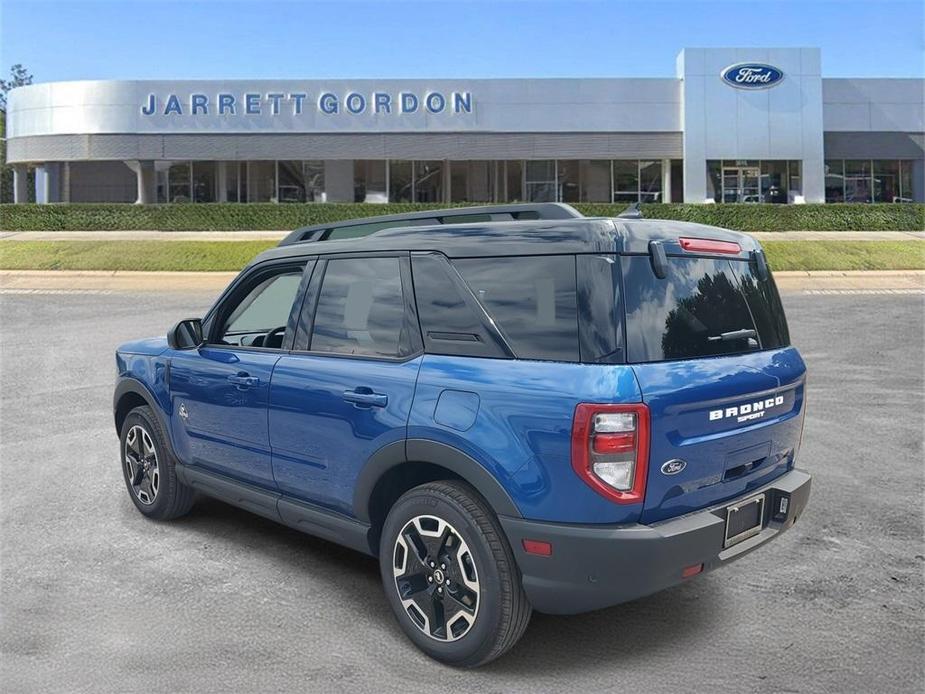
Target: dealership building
732, 125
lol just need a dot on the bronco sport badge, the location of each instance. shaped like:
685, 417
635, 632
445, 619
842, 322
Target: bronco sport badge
748, 411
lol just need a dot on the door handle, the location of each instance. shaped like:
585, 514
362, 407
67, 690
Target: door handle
364, 397
243, 380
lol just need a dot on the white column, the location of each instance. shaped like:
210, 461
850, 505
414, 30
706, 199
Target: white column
813, 180
146, 181
20, 183
42, 184
666, 180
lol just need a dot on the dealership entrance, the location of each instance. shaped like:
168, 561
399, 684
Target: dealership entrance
741, 184
752, 180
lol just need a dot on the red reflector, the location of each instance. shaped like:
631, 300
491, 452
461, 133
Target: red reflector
689, 571
544, 549
710, 246
615, 443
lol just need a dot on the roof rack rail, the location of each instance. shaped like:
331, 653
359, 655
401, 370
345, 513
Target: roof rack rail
363, 226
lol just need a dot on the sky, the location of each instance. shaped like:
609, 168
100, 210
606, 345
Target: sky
147, 39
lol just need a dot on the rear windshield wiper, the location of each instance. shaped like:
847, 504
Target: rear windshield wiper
743, 334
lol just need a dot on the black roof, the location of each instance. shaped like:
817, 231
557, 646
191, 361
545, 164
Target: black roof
539, 237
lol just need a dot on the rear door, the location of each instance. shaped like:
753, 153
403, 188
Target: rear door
711, 352
346, 389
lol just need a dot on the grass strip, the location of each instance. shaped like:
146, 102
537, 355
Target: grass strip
845, 255
233, 255
199, 256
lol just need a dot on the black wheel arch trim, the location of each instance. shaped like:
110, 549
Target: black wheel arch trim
136, 387
435, 453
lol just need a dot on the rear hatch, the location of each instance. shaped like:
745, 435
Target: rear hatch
709, 344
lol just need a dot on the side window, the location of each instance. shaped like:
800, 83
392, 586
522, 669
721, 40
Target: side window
451, 321
260, 316
361, 309
533, 301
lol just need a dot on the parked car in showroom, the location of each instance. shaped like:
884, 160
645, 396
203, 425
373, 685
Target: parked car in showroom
542, 411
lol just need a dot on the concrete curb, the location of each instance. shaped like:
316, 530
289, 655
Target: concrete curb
125, 280
850, 280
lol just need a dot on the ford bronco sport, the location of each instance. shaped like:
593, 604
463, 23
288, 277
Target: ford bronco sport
552, 412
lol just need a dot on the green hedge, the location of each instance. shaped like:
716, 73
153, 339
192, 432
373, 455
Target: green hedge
268, 216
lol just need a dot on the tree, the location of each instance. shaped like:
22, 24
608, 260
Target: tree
19, 76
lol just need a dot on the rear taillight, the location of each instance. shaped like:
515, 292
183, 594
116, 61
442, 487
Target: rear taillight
610, 449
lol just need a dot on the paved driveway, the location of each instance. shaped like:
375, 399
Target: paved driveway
96, 598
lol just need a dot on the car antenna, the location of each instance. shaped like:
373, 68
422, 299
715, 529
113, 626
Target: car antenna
631, 212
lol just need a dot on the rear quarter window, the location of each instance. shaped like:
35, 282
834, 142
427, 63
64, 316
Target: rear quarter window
532, 301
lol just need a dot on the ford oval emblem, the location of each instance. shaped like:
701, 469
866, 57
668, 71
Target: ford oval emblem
752, 76
673, 467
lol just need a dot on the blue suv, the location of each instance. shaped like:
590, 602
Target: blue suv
551, 412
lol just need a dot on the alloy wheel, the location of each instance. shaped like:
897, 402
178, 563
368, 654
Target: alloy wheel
140, 460
436, 578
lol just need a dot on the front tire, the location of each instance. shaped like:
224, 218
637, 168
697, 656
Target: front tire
149, 468
450, 576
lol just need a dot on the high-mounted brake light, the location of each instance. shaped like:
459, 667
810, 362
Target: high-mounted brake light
610, 449
709, 246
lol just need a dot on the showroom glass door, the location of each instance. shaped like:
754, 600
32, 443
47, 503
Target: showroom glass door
741, 184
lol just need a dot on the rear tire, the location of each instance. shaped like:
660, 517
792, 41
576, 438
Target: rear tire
450, 576
149, 468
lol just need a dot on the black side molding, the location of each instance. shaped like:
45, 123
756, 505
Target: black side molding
307, 518
236, 493
325, 524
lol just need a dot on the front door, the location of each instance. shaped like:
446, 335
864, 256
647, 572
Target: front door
346, 389
742, 184
219, 392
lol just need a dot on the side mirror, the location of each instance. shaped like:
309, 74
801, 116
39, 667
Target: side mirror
187, 334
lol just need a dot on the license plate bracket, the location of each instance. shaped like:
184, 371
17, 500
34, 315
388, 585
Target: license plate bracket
744, 520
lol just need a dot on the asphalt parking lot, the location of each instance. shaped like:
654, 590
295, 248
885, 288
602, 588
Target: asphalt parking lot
96, 598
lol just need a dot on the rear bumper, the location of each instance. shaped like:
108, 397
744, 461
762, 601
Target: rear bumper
594, 566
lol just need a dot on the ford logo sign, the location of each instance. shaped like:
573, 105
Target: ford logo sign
752, 76
673, 467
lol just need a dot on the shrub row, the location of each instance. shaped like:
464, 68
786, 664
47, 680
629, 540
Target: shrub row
269, 216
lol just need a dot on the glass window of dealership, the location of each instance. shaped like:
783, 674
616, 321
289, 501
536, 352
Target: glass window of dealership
547, 180
380, 181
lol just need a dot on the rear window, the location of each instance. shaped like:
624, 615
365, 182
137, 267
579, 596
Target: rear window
704, 307
764, 302
532, 300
